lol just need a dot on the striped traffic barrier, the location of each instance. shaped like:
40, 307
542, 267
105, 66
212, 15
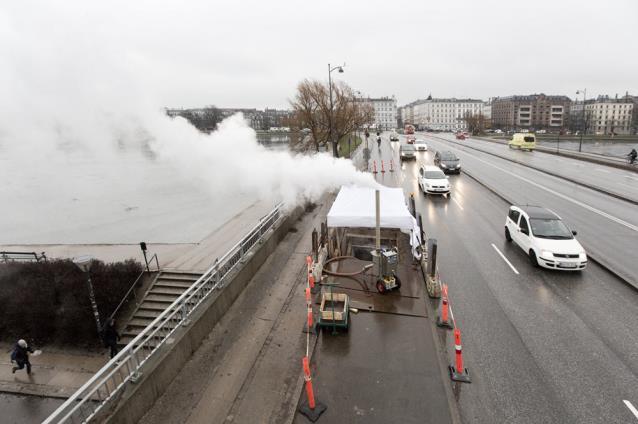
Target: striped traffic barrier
459, 373
443, 320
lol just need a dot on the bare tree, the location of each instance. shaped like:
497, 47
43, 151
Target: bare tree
475, 122
311, 107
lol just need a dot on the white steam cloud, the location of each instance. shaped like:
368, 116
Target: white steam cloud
232, 159
78, 83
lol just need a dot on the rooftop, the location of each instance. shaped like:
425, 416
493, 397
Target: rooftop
538, 212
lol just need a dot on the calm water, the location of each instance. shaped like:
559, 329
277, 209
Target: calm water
78, 198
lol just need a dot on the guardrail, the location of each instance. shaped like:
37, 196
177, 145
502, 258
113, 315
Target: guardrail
131, 289
109, 382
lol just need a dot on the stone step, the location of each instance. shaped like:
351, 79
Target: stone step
167, 290
154, 306
161, 298
170, 283
140, 321
147, 313
178, 277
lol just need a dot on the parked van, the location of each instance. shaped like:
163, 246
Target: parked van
522, 141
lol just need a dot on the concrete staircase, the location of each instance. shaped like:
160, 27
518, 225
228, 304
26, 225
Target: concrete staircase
166, 288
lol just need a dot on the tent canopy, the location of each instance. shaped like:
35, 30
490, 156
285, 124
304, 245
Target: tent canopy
355, 207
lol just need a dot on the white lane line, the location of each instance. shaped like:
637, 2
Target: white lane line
455, 201
603, 170
633, 178
505, 259
631, 408
562, 196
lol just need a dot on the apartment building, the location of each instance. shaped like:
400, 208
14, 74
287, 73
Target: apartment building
385, 111
445, 114
535, 111
607, 116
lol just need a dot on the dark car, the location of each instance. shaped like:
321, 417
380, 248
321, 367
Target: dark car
448, 162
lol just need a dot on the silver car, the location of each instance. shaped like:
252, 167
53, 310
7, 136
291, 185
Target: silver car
407, 151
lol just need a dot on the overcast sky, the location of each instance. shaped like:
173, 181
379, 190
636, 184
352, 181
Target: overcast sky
253, 53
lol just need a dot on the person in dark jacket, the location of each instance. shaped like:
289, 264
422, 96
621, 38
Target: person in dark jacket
111, 337
20, 356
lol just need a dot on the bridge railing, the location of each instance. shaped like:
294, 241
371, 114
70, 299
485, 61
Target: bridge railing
109, 382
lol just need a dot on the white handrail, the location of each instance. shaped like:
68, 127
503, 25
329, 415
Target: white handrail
110, 380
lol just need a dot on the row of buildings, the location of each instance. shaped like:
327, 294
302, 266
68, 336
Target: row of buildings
602, 115
207, 118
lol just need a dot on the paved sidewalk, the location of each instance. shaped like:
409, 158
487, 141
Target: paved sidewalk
55, 373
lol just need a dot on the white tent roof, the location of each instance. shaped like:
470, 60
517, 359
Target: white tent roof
355, 207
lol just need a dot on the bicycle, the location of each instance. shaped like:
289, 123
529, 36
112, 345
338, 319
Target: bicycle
629, 162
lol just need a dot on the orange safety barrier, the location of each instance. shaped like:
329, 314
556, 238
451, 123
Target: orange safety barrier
382, 167
443, 320
313, 409
374, 167
308, 295
459, 373
309, 317
311, 280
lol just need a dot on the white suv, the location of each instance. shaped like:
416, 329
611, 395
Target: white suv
544, 238
433, 181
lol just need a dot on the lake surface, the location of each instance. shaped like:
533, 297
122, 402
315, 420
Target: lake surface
78, 198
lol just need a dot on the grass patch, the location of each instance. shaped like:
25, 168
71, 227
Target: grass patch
345, 148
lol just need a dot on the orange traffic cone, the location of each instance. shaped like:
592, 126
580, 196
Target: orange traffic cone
374, 167
443, 320
459, 373
382, 167
313, 409
391, 165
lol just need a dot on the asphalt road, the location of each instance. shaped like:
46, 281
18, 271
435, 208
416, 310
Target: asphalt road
541, 346
618, 181
607, 227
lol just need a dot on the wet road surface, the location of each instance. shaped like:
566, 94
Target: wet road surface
618, 181
542, 346
17, 409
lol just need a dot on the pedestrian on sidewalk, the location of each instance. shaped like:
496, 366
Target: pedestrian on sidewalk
111, 337
20, 356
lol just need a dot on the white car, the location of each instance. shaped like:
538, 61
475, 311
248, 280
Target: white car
433, 181
545, 238
421, 145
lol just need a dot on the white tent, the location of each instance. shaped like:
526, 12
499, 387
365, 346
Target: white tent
355, 207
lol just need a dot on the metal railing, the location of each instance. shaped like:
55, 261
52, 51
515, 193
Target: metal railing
131, 289
110, 381
22, 256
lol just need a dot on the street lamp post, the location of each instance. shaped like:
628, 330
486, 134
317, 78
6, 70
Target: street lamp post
335, 150
84, 263
584, 127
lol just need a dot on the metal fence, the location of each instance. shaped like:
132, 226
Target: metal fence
22, 256
126, 367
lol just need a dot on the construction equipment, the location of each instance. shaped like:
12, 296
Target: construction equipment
386, 261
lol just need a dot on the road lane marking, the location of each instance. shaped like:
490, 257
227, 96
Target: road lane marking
602, 170
631, 408
455, 201
505, 259
562, 196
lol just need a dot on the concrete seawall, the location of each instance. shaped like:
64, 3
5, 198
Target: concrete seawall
138, 398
